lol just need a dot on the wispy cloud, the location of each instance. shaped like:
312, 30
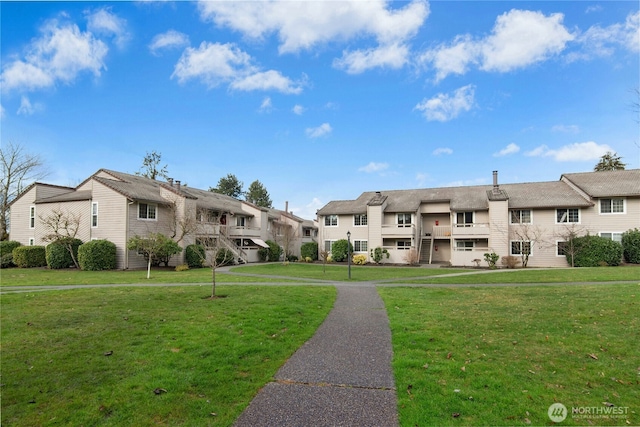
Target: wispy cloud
444, 107
298, 109
103, 22
317, 132
170, 40
374, 167
509, 149
577, 152
442, 150
266, 105
26, 108
565, 128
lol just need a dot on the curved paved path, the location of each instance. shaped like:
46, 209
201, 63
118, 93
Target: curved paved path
342, 376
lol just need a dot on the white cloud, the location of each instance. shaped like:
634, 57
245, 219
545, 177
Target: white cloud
322, 130
309, 210
566, 128
518, 39
509, 149
422, 178
60, 54
26, 108
267, 80
104, 22
592, 9
392, 56
266, 105
602, 41
374, 167
442, 150
169, 40
444, 107
304, 25
2, 112
298, 109
216, 63
577, 152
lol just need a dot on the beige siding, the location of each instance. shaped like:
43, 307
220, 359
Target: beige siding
19, 217
374, 219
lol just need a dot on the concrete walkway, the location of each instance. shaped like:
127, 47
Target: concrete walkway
342, 376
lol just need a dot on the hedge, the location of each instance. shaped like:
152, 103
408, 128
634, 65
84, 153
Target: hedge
595, 251
631, 246
29, 256
6, 255
195, 256
57, 253
340, 250
272, 253
97, 255
309, 250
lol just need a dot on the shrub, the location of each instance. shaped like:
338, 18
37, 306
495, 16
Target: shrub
29, 256
308, 259
182, 267
292, 258
340, 250
309, 250
97, 255
491, 259
595, 251
631, 246
272, 253
224, 257
195, 256
57, 253
378, 253
6, 255
360, 259
510, 261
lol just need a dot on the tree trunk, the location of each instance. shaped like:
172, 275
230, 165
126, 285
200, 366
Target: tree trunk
213, 289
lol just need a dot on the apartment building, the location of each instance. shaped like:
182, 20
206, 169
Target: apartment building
117, 206
458, 225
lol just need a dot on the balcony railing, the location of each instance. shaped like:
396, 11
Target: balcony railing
395, 230
471, 230
239, 231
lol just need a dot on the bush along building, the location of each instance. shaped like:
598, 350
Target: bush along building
527, 224
116, 206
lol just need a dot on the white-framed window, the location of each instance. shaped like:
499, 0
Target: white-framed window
404, 220
464, 245
520, 216
403, 244
611, 206
240, 221
464, 219
328, 244
360, 220
32, 217
568, 216
561, 248
94, 214
616, 236
331, 221
520, 247
32, 241
147, 211
360, 245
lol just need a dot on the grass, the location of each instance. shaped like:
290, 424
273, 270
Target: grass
211, 356
502, 356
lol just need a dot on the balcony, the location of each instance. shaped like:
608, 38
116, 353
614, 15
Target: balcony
400, 231
471, 231
239, 231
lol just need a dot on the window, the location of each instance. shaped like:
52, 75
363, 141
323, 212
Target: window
564, 216
615, 236
32, 241
464, 245
240, 221
360, 245
403, 244
307, 232
94, 214
464, 219
561, 248
521, 216
520, 247
32, 217
608, 206
331, 221
328, 244
360, 219
146, 211
404, 220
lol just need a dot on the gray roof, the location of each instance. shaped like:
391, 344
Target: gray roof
71, 196
607, 183
532, 195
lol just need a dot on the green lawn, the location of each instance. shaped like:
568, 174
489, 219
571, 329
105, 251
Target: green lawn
502, 356
211, 356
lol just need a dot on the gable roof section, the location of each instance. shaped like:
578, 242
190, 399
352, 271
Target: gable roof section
71, 196
624, 183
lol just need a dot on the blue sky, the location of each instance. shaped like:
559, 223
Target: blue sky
323, 100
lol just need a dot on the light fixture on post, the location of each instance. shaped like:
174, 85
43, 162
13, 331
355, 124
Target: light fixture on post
349, 252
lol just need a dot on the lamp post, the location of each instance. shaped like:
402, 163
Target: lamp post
349, 252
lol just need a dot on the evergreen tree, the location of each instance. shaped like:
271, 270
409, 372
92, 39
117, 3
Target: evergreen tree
151, 166
258, 195
609, 162
229, 185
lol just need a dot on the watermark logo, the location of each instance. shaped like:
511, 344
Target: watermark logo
557, 412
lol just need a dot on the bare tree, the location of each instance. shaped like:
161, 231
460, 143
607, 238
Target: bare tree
526, 236
180, 221
567, 238
19, 168
285, 235
324, 254
62, 227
